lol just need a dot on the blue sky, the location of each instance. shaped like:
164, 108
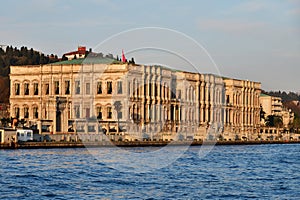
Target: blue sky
255, 40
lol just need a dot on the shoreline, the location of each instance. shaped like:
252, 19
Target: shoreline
108, 144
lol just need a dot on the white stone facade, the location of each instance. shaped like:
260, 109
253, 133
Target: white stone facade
155, 102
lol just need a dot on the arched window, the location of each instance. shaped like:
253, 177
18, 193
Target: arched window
99, 87
35, 88
109, 112
26, 112
99, 112
17, 112
35, 112
26, 88
109, 87
17, 88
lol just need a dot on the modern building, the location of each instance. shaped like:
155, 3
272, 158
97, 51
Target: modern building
273, 106
135, 102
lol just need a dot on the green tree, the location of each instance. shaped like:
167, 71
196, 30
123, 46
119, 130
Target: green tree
274, 121
296, 123
2, 63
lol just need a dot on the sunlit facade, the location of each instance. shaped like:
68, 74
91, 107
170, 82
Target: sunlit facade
133, 102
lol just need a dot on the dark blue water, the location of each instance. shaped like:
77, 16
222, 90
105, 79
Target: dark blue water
227, 172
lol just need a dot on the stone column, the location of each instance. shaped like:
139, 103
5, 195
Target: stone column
197, 102
207, 103
203, 104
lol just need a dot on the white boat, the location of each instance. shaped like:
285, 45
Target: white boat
24, 135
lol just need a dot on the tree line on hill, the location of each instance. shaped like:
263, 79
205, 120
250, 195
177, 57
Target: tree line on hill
23, 56
286, 97
14, 56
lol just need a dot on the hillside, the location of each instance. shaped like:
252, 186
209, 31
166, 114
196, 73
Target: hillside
294, 106
14, 56
286, 97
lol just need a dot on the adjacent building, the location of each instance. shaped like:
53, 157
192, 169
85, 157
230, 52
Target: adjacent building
273, 106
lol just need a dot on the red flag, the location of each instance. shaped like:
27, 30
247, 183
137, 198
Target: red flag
123, 56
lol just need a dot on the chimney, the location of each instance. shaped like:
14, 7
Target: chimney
81, 49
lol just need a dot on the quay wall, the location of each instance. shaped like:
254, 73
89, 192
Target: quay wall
62, 144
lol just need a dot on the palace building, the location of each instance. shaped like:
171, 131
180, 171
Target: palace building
129, 101
242, 109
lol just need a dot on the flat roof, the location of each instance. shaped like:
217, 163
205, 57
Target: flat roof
264, 95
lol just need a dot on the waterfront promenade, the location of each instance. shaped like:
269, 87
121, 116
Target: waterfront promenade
62, 144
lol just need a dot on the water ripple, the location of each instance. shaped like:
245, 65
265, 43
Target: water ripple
227, 172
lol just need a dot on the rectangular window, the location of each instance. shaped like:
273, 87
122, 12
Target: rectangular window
227, 99
77, 111
99, 88
77, 87
109, 87
26, 112
109, 113
56, 87
120, 89
99, 113
47, 89
35, 88
26, 89
179, 94
17, 89
128, 88
87, 113
87, 88
67, 87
